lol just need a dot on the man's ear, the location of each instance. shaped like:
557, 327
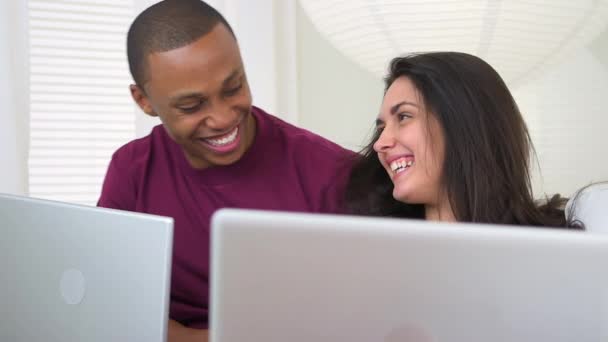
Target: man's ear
141, 99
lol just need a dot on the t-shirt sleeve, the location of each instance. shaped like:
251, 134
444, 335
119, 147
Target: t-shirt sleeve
118, 190
331, 200
333, 192
328, 168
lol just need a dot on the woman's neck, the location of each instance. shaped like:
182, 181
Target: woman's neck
440, 212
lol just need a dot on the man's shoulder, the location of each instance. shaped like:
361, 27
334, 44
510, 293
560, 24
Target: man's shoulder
303, 140
135, 153
128, 166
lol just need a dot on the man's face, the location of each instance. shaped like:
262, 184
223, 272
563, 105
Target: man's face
201, 95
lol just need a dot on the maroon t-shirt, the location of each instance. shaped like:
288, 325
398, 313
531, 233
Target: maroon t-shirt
286, 168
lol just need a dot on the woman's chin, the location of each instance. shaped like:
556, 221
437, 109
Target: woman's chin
407, 196
401, 196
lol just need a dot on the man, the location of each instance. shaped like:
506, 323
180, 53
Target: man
213, 149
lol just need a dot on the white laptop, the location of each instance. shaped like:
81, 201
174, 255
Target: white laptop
79, 273
303, 277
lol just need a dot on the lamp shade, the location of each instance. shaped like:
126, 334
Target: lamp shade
518, 38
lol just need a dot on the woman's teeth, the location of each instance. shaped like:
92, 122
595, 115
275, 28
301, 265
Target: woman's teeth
225, 140
401, 165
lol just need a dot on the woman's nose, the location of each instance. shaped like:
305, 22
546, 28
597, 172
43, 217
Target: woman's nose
385, 141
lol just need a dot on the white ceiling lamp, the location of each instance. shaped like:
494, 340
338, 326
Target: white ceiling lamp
517, 37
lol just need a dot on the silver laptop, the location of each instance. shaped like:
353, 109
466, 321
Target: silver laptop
303, 277
78, 273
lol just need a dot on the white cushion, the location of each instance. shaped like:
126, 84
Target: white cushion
590, 206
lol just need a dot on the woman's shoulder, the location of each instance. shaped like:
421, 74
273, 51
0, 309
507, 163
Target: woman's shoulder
589, 206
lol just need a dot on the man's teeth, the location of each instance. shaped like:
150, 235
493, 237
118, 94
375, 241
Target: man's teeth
400, 165
225, 140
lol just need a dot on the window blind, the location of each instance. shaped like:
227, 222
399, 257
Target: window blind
80, 107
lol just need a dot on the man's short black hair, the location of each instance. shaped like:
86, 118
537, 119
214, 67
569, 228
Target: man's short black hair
168, 25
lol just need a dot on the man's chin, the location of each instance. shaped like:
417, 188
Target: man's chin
227, 159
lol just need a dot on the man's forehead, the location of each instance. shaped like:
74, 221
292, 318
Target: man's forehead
199, 77
214, 50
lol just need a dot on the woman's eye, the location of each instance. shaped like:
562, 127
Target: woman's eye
403, 116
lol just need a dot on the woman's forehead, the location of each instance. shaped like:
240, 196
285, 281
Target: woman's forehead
401, 93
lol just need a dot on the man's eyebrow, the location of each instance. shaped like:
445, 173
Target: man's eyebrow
395, 108
186, 96
236, 73
198, 95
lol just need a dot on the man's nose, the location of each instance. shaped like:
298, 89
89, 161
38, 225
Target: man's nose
220, 118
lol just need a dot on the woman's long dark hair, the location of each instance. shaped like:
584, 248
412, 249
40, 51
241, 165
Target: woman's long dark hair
487, 147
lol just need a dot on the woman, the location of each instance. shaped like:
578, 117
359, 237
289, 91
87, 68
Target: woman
450, 145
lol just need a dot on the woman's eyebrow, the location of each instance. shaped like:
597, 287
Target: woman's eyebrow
395, 108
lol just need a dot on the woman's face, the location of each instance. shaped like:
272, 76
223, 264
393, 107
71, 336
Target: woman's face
411, 145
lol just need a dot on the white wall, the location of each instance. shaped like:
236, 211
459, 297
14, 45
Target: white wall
336, 98
13, 98
568, 118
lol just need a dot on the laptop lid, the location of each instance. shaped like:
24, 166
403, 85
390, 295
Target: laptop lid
304, 277
79, 273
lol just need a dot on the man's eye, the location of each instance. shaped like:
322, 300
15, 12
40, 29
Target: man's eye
190, 109
233, 91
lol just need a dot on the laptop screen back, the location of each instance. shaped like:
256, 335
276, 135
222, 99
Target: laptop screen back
78, 273
304, 277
